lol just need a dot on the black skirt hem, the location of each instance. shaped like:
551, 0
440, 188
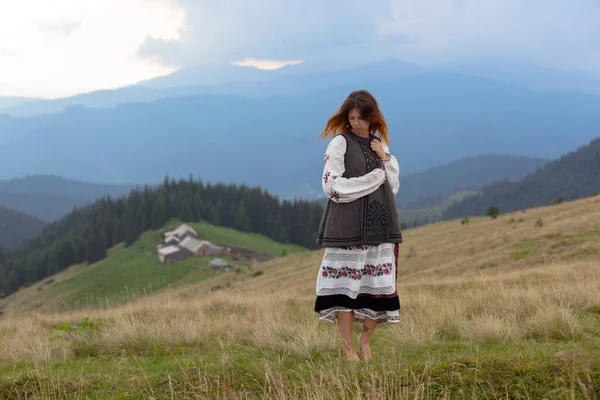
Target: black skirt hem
391, 303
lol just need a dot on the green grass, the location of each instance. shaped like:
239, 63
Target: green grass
250, 241
590, 235
458, 370
129, 272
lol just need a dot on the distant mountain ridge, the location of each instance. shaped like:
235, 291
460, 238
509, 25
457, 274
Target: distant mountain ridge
471, 173
272, 142
16, 227
49, 197
572, 176
241, 81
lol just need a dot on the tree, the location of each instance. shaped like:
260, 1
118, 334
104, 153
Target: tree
186, 213
95, 249
131, 235
242, 222
493, 212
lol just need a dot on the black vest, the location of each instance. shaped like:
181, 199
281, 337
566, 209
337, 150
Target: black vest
370, 220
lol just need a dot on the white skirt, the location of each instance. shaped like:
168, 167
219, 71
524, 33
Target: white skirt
360, 279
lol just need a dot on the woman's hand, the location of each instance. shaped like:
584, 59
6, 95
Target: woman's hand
377, 147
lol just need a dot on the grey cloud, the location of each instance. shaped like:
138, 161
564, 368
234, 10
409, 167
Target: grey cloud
555, 32
230, 30
551, 32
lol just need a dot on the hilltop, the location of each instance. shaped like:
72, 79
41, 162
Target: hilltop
16, 226
491, 308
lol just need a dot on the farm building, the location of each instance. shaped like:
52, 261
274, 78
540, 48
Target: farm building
182, 232
170, 254
200, 247
220, 265
172, 240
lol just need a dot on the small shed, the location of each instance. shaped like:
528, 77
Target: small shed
170, 254
220, 265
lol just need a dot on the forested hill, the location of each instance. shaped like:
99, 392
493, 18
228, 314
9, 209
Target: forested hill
86, 233
16, 226
574, 175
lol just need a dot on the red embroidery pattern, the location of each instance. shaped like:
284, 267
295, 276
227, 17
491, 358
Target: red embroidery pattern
326, 158
335, 196
326, 176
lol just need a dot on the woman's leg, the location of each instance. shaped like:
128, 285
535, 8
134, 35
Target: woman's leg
365, 337
345, 321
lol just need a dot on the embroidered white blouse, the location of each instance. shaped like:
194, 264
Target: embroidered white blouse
345, 190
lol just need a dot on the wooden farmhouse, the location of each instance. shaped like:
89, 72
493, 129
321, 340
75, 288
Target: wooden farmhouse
200, 248
182, 232
170, 254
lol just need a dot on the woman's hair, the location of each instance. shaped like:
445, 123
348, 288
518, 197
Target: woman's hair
366, 104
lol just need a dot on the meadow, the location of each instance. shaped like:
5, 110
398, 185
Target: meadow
491, 308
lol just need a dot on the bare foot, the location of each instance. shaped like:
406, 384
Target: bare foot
351, 355
363, 348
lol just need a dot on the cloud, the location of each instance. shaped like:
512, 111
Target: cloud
266, 64
550, 32
231, 30
60, 28
63, 47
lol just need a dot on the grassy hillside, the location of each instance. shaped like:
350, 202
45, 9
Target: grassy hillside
129, 272
495, 308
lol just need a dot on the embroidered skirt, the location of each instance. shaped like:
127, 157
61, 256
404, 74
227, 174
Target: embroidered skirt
360, 279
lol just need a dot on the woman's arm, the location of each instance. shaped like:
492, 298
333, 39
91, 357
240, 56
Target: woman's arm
392, 170
345, 190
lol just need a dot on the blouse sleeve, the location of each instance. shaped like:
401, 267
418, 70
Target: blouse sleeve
345, 190
392, 170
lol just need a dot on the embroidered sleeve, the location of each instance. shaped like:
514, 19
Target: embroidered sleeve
345, 190
392, 170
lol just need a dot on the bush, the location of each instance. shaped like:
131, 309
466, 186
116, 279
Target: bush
493, 212
83, 327
557, 200
464, 221
539, 222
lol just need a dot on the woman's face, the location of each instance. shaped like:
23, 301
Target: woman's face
359, 125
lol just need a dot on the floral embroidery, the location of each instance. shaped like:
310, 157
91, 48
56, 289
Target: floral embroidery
326, 177
335, 196
376, 221
357, 274
326, 158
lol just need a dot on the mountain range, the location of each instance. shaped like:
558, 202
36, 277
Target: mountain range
572, 176
434, 118
50, 197
16, 227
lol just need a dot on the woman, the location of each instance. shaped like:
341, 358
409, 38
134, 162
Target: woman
359, 229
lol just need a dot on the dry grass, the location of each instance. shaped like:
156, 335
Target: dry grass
461, 285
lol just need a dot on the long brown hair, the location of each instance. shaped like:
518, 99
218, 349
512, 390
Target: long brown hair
366, 104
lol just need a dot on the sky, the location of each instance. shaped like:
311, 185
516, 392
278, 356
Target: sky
59, 48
